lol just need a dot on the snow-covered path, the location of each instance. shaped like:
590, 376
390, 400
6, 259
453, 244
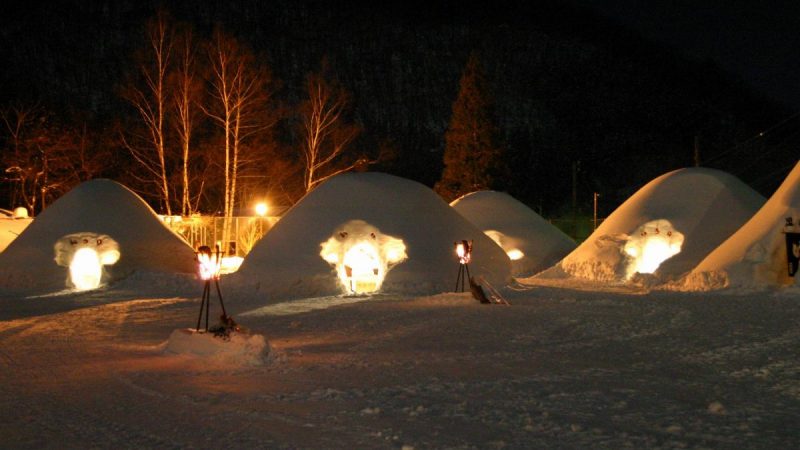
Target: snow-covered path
559, 368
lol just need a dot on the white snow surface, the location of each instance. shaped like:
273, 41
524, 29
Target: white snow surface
102, 207
754, 256
560, 368
286, 263
10, 228
520, 227
705, 205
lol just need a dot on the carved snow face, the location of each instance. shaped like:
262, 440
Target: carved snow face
85, 254
362, 255
650, 245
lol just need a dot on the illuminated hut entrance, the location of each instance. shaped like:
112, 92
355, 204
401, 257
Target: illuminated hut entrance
650, 245
362, 256
85, 254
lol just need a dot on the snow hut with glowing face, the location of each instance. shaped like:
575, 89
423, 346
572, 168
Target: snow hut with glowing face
365, 233
757, 255
98, 232
665, 228
531, 243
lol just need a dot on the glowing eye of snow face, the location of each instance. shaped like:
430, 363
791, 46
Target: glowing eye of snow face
650, 245
515, 254
85, 270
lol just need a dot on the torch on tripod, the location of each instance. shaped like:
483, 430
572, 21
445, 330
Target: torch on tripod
464, 253
209, 264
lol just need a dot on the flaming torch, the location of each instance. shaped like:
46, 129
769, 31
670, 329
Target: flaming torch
464, 253
208, 268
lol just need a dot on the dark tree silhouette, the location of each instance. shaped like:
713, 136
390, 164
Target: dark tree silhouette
473, 157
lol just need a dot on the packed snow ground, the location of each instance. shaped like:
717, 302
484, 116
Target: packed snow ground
566, 366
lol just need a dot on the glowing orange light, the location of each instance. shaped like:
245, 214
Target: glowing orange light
208, 263
464, 251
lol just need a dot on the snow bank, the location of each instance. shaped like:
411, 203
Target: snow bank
514, 226
755, 256
287, 262
238, 348
102, 207
701, 206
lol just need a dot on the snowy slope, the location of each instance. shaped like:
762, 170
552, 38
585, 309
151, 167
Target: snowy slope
516, 227
98, 206
287, 261
755, 256
10, 228
560, 368
703, 207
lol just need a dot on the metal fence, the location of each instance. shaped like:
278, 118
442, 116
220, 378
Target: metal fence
207, 230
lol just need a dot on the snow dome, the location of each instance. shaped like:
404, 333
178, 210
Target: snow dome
531, 242
665, 228
756, 255
367, 232
102, 216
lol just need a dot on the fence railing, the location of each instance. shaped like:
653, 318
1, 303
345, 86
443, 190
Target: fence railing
207, 230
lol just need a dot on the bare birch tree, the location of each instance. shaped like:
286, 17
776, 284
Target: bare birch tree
44, 160
326, 133
239, 89
150, 101
186, 92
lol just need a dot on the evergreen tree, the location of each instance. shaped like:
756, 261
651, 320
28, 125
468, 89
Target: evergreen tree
472, 154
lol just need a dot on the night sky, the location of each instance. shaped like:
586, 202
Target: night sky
758, 41
580, 86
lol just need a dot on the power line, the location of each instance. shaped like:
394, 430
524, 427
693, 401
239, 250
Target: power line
739, 147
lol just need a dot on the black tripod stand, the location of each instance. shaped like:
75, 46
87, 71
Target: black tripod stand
209, 265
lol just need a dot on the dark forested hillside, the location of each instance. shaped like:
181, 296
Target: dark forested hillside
574, 94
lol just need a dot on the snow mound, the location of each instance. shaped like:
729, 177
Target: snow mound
287, 262
514, 226
755, 256
101, 207
10, 228
663, 230
237, 348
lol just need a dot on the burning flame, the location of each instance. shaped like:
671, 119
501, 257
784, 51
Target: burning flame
464, 251
208, 263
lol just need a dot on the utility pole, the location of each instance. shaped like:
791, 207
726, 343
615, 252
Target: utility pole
575, 167
596, 195
697, 151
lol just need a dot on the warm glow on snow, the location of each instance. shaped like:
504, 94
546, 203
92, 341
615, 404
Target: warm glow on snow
85, 269
230, 264
500, 239
362, 256
515, 254
652, 244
